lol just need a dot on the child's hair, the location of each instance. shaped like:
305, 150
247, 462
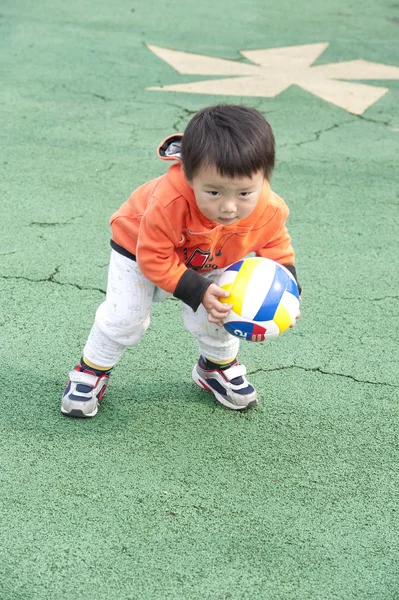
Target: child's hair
237, 140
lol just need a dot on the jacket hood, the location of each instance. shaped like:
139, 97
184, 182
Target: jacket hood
170, 148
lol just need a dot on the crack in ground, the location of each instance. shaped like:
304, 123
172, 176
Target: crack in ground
181, 123
187, 111
335, 126
176, 127
50, 279
361, 298
317, 134
383, 298
370, 120
186, 114
111, 166
320, 370
364, 298
54, 223
85, 93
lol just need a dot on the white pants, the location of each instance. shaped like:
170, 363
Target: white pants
123, 318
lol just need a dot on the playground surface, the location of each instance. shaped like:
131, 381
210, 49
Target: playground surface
165, 494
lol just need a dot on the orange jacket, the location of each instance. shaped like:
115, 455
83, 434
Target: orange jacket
162, 228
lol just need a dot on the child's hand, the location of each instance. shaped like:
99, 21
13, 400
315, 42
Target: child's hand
216, 310
297, 317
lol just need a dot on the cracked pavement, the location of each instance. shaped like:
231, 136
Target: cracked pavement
68, 209
164, 494
343, 226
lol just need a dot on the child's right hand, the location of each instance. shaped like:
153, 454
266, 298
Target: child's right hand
216, 310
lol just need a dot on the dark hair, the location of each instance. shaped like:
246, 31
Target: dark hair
237, 140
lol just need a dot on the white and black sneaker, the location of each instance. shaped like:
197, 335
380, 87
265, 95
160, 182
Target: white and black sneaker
84, 391
229, 385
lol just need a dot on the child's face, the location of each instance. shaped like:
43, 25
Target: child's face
225, 199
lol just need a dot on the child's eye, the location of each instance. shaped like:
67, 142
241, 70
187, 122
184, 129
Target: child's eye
245, 194
213, 193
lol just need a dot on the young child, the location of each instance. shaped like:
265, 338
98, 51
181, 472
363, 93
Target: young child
175, 233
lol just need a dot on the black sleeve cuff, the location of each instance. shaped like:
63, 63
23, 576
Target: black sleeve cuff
191, 288
122, 250
292, 270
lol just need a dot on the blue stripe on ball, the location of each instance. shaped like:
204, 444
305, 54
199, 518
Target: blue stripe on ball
271, 302
236, 266
241, 329
292, 288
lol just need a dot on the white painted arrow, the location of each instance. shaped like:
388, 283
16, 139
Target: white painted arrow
275, 70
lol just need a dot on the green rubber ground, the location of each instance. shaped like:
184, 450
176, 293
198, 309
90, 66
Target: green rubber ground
164, 495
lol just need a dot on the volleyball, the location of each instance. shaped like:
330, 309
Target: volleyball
264, 296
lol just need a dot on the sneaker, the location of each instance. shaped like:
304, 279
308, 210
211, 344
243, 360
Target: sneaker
83, 392
229, 386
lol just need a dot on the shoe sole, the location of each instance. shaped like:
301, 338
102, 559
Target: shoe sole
78, 413
221, 399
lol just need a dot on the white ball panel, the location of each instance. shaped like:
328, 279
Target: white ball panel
291, 303
227, 277
272, 330
258, 287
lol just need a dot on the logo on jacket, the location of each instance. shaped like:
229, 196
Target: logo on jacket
198, 259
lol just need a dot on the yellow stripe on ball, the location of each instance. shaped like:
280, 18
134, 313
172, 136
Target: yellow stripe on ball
282, 318
226, 287
237, 295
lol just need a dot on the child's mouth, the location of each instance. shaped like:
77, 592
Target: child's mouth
227, 221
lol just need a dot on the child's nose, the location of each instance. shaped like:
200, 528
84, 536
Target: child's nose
229, 205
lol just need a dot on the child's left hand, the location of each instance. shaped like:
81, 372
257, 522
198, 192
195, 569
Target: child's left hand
216, 310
